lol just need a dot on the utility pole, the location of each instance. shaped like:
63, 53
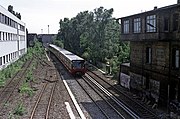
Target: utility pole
48, 29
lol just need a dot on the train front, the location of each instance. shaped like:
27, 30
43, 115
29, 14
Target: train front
78, 67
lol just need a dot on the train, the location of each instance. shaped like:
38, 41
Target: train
73, 63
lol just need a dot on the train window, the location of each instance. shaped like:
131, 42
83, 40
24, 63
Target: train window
78, 64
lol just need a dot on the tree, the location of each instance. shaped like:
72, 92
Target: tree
94, 36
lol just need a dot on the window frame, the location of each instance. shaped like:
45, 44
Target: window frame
148, 55
126, 26
151, 23
175, 58
175, 21
137, 25
1, 61
166, 24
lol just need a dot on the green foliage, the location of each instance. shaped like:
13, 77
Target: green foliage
29, 76
95, 36
58, 43
11, 116
86, 55
2, 83
2, 79
9, 72
37, 50
20, 109
25, 89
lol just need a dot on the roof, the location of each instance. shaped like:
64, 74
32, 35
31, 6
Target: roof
155, 10
68, 54
10, 15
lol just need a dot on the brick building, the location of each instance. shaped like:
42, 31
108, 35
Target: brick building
155, 48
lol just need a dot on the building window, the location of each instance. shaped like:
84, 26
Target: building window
151, 23
175, 58
4, 60
175, 22
148, 55
126, 26
0, 35
6, 36
0, 17
9, 57
166, 24
0, 61
137, 25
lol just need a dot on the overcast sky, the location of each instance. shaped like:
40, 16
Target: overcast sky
38, 14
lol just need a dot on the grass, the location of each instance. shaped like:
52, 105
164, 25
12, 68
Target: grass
19, 110
16, 66
26, 89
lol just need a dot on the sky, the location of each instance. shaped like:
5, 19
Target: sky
38, 14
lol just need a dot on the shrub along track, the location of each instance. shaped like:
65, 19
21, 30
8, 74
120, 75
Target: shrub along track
21, 103
6, 94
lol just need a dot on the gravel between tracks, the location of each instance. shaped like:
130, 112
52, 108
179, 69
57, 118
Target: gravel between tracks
57, 109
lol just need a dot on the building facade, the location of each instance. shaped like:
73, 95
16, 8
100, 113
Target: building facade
31, 39
155, 48
46, 38
12, 38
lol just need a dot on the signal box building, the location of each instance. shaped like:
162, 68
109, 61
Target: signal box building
154, 53
12, 38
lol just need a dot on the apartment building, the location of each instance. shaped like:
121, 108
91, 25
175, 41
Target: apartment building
12, 38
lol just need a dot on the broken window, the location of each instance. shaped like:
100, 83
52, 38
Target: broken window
151, 23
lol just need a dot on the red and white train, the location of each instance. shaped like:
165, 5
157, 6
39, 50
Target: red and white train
74, 63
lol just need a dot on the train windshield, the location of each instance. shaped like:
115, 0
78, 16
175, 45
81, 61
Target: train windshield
78, 64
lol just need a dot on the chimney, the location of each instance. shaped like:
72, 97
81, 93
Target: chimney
178, 1
155, 7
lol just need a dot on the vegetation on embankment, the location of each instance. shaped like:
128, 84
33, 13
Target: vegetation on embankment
94, 35
13, 68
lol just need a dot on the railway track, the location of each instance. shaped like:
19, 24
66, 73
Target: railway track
94, 101
111, 100
12, 85
133, 105
41, 108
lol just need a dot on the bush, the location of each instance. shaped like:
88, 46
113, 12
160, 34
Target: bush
19, 109
25, 89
